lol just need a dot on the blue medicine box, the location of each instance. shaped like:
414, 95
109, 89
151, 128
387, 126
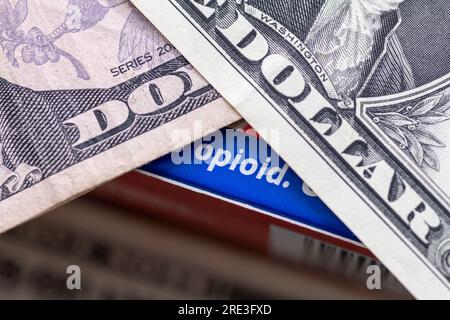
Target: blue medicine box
238, 166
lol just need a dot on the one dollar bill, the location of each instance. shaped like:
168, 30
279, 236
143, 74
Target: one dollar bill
89, 90
359, 94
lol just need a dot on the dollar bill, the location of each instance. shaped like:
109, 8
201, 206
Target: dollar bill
359, 92
89, 89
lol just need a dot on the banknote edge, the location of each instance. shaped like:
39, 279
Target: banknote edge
164, 8
36, 200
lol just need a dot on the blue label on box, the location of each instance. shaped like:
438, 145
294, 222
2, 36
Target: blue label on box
243, 168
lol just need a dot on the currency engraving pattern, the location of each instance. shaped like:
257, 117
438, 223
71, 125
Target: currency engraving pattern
318, 62
45, 132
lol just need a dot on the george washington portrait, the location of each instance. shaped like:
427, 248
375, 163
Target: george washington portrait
370, 47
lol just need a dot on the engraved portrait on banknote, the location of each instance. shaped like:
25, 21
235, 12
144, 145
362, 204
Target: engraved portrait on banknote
79, 77
378, 48
365, 83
